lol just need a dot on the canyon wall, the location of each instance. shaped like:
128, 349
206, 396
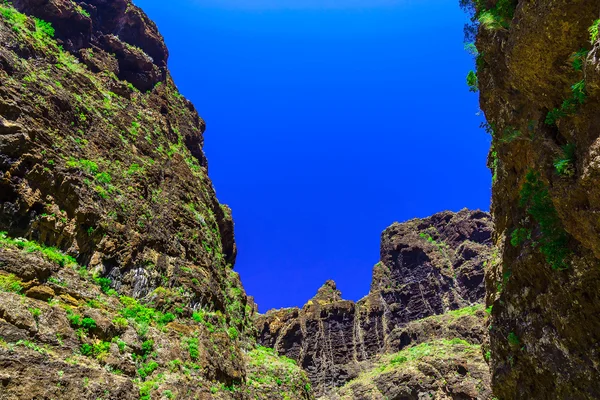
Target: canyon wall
538, 73
428, 267
116, 257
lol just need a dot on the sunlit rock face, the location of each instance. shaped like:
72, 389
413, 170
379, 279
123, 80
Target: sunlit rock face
116, 258
538, 73
428, 267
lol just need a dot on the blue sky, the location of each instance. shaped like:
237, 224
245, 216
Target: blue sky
327, 120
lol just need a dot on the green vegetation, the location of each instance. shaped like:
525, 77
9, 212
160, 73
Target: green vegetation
147, 348
43, 28
513, 339
578, 59
519, 236
570, 105
10, 283
31, 345
565, 164
267, 369
50, 253
142, 315
497, 17
509, 134
553, 239
35, 313
472, 81
233, 333
86, 349
193, 348
147, 369
425, 349
594, 31
97, 350
104, 283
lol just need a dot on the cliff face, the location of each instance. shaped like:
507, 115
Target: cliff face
428, 266
538, 74
116, 258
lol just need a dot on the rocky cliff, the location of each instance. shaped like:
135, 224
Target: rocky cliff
538, 74
116, 258
428, 267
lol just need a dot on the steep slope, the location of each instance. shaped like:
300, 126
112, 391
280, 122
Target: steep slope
116, 258
428, 266
538, 73
443, 361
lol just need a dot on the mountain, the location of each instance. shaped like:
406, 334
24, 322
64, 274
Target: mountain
537, 73
429, 267
116, 257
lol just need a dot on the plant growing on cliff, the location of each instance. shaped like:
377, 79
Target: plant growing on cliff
497, 17
578, 59
553, 239
472, 81
569, 106
50, 253
519, 236
10, 283
594, 31
565, 164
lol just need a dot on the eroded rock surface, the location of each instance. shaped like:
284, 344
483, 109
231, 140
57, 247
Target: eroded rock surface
428, 267
116, 257
538, 73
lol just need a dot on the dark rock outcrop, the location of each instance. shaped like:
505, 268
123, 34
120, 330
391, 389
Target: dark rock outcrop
539, 74
116, 257
428, 266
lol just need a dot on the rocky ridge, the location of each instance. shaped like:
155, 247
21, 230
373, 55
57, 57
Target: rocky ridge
538, 74
428, 267
116, 257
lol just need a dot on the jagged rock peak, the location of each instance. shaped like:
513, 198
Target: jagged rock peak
428, 266
326, 294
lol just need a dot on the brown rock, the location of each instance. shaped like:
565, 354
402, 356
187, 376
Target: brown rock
40, 292
428, 266
544, 286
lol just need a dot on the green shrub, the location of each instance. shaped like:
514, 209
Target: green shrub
35, 313
43, 28
193, 349
120, 322
86, 349
147, 369
497, 17
10, 283
88, 323
513, 339
472, 81
101, 348
233, 333
52, 254
570, 105
166, 318
519, 236
594, 31
578, 59
104, 283
103, 177
553, 239
565, 165
147, 347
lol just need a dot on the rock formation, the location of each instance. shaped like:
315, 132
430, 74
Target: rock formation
428, 267
538, 73
116, 277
